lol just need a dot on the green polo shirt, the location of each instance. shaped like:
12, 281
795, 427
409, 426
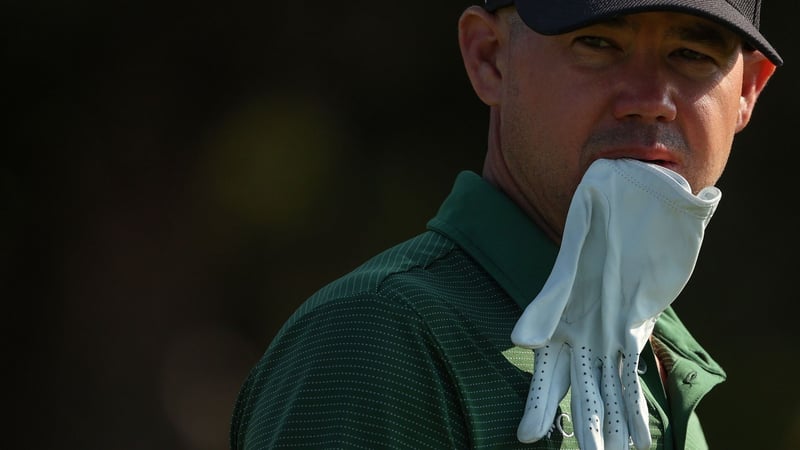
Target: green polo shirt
412, 349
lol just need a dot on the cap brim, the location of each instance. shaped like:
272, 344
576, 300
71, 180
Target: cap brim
550, 18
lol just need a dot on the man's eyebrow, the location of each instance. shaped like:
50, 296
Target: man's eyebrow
704, 34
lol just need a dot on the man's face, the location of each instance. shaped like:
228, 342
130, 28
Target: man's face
661, 87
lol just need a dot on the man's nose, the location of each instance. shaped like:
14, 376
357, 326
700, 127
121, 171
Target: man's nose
643, 92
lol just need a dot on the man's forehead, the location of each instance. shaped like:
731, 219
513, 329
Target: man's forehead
678, 19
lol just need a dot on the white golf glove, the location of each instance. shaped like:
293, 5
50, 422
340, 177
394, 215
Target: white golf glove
630, 243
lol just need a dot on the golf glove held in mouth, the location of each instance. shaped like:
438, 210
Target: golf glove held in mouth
630, 243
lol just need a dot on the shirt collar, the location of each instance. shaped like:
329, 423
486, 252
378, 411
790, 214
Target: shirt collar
492, 229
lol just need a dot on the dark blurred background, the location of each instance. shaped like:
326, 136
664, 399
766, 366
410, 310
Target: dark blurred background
178, 176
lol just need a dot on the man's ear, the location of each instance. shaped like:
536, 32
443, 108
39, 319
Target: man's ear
481, 42
756, 72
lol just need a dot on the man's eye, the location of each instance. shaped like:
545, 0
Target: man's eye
692, 55
594, 41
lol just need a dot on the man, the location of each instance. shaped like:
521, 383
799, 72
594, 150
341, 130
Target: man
600, 112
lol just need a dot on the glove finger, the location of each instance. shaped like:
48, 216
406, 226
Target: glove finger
549, 385
587, 404
638, 417
615, 425
541, 317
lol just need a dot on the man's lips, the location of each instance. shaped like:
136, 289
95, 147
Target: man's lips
660, 144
